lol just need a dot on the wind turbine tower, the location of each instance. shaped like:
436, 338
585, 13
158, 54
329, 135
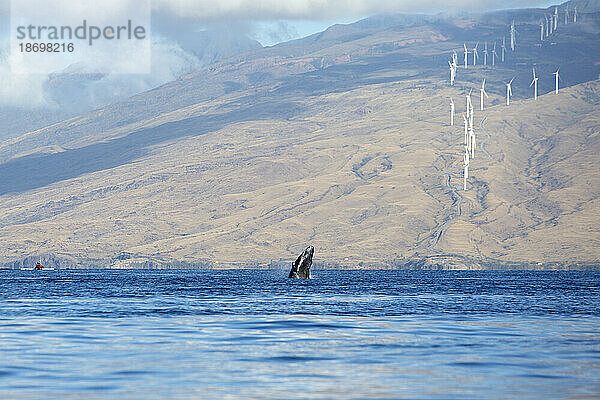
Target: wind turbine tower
470, 109
482, 93
485, 54
555, 18
466, 131
475, 54
466, 55
471, 141
534, 83
451, 111
547, 25
556, 75
503, 47
494, 55
466, 163
454, 58
575, 14
469, 122
512, 36
566, 15
452, 73
509, 91
473, 145
471, 131
541, 31
468, 103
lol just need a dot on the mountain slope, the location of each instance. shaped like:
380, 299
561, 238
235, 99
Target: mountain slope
346, 147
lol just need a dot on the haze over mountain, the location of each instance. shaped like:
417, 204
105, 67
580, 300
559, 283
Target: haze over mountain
339, 140
32, 102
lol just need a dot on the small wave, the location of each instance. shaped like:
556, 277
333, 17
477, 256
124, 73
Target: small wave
287, 359
293, 324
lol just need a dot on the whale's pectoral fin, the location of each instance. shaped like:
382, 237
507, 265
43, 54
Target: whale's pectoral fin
294, 271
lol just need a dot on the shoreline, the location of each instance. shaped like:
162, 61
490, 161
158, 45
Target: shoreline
426, 262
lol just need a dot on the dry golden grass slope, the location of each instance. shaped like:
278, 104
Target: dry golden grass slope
370, 176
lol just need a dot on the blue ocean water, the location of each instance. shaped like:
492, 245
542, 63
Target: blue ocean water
254, 334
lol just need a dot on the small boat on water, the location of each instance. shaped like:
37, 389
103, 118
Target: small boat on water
38, 267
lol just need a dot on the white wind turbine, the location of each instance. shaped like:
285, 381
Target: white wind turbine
503, 47
466, 172
556, 75
485, 54
471, 109
482, 93
468, 103
494, 55
509, 91
555, 18
468, 121
466, 131
575, 14
542, 31
512, 36
551, 24
473, 145
466, 55
566, 14
452, 73
451, 111
475, 54
534, 83
471, 131
547, 25
454, 58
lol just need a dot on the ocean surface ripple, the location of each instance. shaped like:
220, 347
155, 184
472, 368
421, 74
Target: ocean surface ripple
255, 334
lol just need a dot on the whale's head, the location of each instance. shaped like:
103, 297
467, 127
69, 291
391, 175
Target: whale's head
309, 251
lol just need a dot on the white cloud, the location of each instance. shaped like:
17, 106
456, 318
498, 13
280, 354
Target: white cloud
20, 89
169, 61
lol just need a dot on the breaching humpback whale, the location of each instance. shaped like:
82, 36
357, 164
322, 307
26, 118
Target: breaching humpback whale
301, 267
